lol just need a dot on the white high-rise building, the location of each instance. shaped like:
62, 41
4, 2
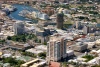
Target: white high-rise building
18, 27
56, 48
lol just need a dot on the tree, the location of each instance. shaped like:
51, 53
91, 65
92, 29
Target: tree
12, 61
2, 41
94, 20
64, 64
36, 39
45, 43
39, 40
96, 66
42, 55
9, 37
28, 54
9, 60
88, 57
22, 38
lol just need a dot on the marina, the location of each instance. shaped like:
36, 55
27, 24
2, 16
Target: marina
22, 10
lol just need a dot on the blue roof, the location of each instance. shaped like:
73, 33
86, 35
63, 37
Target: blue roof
98, 25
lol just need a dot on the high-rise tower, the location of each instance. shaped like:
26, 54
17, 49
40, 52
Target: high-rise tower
19, 28
56, 48
60, 20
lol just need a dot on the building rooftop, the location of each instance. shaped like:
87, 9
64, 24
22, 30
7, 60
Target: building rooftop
19, 46
41, 47
98, 25
34, 63
54, 64
56, 37
35, 51
24, 58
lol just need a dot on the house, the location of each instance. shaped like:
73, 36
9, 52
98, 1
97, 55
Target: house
34, 63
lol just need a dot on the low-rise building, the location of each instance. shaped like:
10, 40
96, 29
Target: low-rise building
54, 64
42, 34
34, 63
40, 15
97, 42
34, 51
79, 46
41, 47
19, 46
48, 10
70, 53
90, 44
95, 61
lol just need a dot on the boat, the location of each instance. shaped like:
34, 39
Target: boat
12, 8
20, 14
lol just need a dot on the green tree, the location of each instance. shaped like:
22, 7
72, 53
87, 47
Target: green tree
36, 39
96, 66
9, 37
28, 54
22, 38
42, 55
45, 43
88, 57
94, 20
64, 64
12, 61
9, 60
39, 40
2, 41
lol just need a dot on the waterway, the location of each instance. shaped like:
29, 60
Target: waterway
14, 15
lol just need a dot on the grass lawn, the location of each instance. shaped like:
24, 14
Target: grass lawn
88, 57
68, 23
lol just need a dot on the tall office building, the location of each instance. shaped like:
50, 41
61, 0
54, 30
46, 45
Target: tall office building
78, 24
56, 48
18, 28
88, 29
85, 30
60, 20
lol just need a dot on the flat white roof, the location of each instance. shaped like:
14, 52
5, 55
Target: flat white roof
41, 47
35, 51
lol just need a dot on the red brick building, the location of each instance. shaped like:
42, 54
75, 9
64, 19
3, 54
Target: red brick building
48, 10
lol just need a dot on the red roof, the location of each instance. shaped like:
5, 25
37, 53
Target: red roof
83, 36
54, 64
